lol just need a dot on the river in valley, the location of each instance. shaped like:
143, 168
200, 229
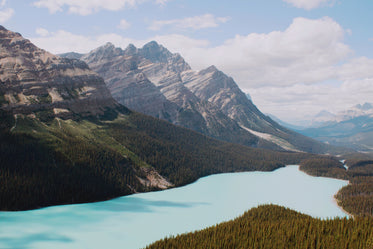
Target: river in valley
137, 220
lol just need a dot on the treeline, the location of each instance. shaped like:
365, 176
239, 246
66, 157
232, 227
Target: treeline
324, 166
271, 226
73, 161
33, 175
57, 163
357, 197
183, 155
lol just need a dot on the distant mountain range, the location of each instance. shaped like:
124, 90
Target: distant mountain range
154, 81
285, 124
350, 128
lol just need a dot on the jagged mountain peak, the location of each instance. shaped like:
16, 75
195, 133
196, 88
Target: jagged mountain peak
104, 52
154, 46
130, 50
210, 69
155, 52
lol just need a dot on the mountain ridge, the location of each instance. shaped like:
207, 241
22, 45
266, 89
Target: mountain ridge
151, 84
207, 101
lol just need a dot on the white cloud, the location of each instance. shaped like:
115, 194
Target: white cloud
174, 42
2, 3
6, 14
161, 2
310, 4
356, 68
300, 102
298, 71
86, 7
63, 41
42, 32
124, 24
306, 52
196, 22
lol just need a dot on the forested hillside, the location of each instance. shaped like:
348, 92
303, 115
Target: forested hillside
357, 197
271, 226
49, 161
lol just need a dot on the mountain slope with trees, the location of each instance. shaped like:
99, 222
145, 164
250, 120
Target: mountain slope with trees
65, 140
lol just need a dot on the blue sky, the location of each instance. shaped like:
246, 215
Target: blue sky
294, 57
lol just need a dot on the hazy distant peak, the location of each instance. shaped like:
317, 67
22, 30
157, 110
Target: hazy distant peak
325, 113
366, 106
109, 44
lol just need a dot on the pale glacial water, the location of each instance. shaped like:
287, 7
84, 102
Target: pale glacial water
137, 220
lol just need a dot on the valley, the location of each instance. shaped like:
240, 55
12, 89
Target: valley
95, 149
95, 145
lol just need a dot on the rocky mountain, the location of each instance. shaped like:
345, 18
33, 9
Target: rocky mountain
322, 118
64, 139
354, 112
33, 79
154, 81
325, 117
148, 80
351, 128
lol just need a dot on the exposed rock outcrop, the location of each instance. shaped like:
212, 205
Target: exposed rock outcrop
149, 80
32, 79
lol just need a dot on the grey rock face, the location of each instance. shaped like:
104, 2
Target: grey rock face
222, 92
32, 79
149, 80
156, 82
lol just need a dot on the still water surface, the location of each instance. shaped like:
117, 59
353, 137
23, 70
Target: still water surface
137, 220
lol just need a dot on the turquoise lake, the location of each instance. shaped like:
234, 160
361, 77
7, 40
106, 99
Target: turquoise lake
137, 220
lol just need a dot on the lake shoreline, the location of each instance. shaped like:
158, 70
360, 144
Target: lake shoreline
335, 201
123, 222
